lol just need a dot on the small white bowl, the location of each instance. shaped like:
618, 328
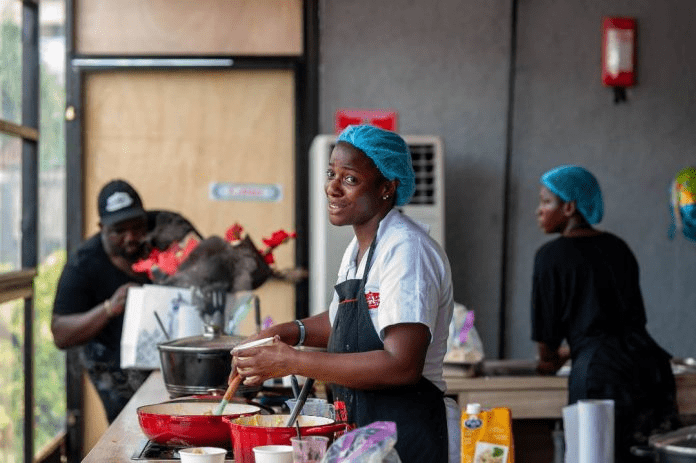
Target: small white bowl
202, 455
273, 454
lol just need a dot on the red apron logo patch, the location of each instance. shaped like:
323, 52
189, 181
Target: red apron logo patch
372, 300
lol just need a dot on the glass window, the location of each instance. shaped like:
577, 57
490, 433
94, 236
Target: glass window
11, 60
10, 202
11, 381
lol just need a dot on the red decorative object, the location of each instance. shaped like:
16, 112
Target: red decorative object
382, 118
276, 239
234, 233
169, 260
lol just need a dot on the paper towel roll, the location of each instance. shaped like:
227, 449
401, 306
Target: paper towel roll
589, 431
596, 434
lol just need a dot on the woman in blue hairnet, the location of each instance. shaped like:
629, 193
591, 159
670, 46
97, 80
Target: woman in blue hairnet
586, 291
386, 328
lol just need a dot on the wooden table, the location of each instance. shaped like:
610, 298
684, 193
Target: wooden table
528, 397
540, 397
536, 404
124, 437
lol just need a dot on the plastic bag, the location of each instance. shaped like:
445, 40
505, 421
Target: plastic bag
463, 344
373, 443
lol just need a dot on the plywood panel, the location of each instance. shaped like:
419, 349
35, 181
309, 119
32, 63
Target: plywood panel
176, 27
171, 134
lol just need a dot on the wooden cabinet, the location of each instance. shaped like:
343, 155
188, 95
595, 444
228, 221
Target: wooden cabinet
184, 27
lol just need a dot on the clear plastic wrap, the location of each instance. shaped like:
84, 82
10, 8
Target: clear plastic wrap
373, 443
464, 345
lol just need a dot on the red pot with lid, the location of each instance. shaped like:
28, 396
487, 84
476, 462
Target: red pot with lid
252, 431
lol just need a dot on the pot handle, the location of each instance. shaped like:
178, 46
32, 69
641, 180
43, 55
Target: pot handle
642, 451
327, 428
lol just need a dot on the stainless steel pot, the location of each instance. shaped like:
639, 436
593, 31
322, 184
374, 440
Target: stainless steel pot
199, 365
674, 447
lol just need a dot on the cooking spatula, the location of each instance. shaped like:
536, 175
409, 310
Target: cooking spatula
229, 393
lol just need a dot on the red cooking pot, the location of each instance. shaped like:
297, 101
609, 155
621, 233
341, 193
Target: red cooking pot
191, 422
248, 432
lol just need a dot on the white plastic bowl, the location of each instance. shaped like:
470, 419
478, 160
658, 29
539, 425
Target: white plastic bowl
202, 455
273, 454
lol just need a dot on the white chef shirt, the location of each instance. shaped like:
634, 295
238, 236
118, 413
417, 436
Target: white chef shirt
409, 281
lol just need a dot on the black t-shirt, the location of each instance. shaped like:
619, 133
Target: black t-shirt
586, 290
585, 287
88, 279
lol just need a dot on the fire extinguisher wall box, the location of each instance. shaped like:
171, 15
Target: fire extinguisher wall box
618, 52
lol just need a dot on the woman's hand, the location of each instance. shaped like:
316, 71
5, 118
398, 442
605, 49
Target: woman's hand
399, 363
257, 364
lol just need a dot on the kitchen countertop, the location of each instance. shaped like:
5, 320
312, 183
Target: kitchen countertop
514, 384
528, 396
124, 437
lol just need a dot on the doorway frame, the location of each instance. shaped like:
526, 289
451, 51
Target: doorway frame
306, 70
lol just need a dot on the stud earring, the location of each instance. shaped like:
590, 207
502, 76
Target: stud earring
385, 197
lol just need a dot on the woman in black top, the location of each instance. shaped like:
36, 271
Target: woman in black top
586, 292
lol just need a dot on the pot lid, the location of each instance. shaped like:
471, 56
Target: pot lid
202, 342
682, 441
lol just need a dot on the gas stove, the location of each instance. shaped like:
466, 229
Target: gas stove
152, 451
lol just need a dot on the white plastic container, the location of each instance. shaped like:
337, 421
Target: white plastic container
273, 454
202, 455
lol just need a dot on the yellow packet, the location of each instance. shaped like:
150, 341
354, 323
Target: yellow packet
486, 435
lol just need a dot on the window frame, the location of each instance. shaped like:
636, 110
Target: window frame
19, 284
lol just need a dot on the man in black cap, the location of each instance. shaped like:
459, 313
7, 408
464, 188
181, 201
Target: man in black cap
91, 294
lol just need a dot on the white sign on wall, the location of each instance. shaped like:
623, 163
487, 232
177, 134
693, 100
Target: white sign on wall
222, 191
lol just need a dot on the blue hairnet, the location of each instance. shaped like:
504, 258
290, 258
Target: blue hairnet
390, 154
574, 183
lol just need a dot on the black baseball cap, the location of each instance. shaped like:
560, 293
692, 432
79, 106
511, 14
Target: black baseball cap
118, 201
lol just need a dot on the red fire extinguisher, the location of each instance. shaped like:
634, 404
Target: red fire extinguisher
619, 54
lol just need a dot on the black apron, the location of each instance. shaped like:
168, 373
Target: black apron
630, 368
418, 410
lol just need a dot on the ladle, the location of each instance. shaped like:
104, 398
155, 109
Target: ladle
295, 386
304, 393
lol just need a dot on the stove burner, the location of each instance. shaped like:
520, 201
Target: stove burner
150, 450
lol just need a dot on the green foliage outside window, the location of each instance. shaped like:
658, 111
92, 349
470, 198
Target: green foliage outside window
10, 68
49, 362
49, 371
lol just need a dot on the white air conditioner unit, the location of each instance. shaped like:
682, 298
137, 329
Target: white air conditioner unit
328, 242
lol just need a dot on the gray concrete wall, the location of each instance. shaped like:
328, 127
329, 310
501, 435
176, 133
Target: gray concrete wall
444, 66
